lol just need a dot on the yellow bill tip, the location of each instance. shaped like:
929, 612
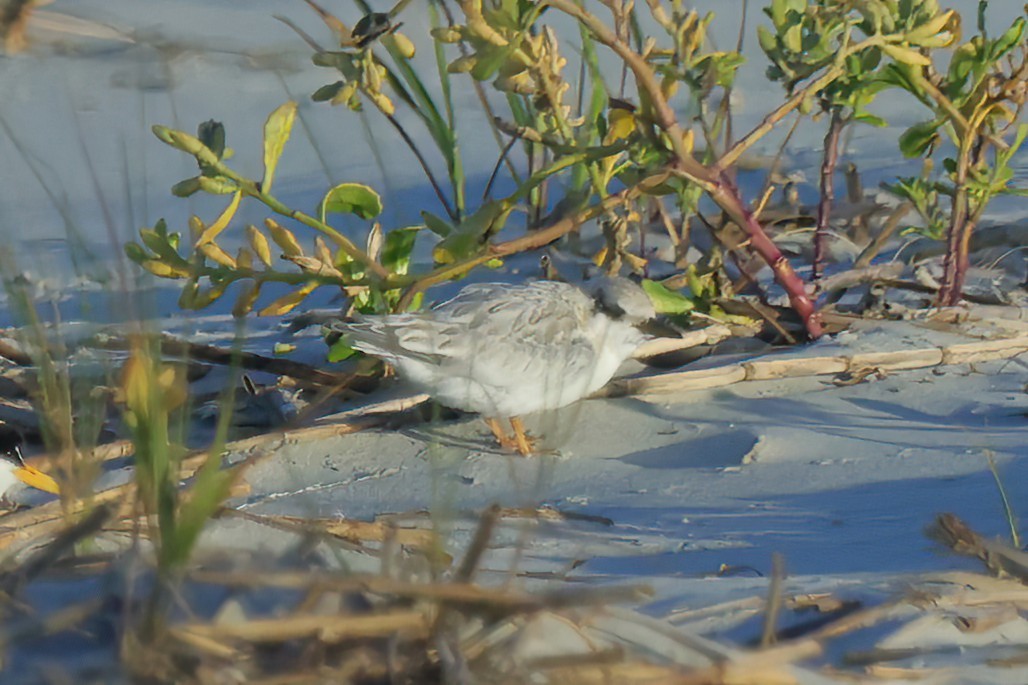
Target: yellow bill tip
35, 478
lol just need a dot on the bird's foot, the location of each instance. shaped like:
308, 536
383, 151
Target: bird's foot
521, 442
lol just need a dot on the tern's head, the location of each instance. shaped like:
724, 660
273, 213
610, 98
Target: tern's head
14, 472
624, 300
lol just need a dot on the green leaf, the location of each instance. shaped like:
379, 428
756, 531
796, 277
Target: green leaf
490, 59
399, 244
186, 187
1003, 157
917, 139
767, 40
340, 350
276, 132
351, 198
871, 120
440, 227
190, 144
666, 301
136, 253
1008, 40
458, 245
326, 93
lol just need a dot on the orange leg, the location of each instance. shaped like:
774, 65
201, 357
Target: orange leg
524, 445
506, 442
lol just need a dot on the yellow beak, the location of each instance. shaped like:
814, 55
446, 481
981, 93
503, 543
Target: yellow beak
35, 478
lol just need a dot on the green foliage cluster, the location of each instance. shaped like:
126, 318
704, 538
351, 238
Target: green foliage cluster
618, 155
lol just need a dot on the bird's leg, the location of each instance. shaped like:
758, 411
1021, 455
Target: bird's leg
524, 445
506, 442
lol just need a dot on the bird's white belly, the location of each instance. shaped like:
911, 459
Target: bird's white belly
512, 385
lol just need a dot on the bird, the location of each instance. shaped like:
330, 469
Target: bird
505, 350
15, 473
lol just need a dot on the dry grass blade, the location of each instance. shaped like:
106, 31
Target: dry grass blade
59, 621
43, 559
406, 623
357, 532
774, 601
467, 595
478, 546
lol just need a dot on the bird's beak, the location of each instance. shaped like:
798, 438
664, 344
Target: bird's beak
35, 478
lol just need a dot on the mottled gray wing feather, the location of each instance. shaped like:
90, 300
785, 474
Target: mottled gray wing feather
525, 328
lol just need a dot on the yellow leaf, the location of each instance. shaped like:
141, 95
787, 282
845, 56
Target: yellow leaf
322, 252
622, 123
383, 102
163, 269
196, 228
259, 244
402, 43
906, 55
171, 382
931, 28
276, 133
219, 225
247, 298
217, 255
284, 238
288, 302
689, 140
244, 259
136, 383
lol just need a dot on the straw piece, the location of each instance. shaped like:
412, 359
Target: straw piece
985, 350
700, 379
898, 360
792, 367
350, 530
705, 336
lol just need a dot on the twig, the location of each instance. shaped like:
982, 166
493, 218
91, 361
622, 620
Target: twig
1000, 558
246, 360
14, 580
774, 601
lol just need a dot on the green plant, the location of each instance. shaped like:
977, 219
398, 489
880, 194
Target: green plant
154, 394
70, 414
616, 153
975, 104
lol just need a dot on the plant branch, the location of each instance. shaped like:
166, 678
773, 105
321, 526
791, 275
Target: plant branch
713, 180
824, 207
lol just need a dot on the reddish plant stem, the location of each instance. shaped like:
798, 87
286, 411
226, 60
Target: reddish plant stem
958, 239
727, 196
713, 179
824, 208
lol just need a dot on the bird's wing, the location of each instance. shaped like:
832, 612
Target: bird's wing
524, 322
394, 336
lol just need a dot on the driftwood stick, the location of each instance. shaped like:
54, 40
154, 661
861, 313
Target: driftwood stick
771, 367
